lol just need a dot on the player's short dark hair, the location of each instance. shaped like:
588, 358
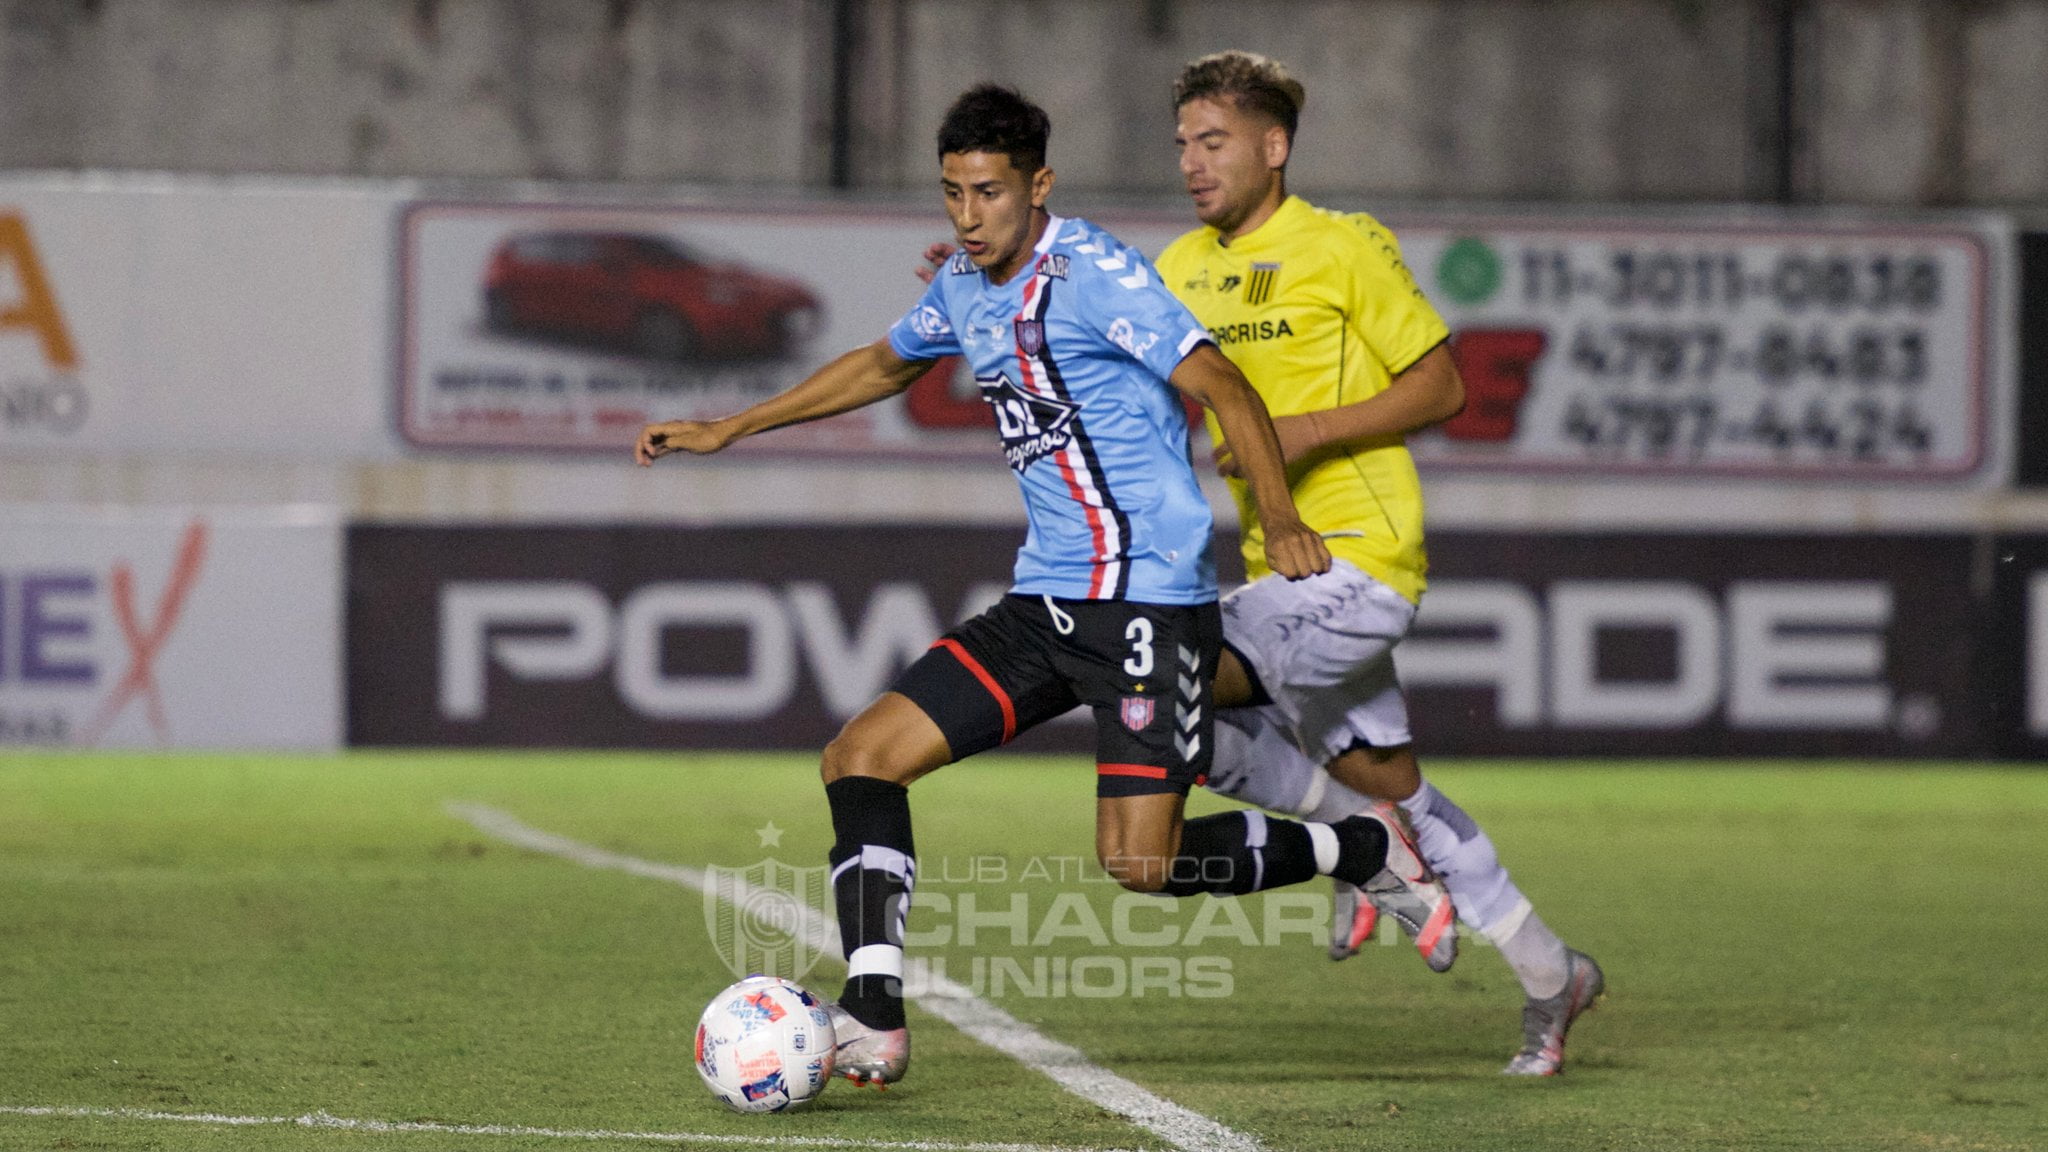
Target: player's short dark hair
991, 118
1255, 83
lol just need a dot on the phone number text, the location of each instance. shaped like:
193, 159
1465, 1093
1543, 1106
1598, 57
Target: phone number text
1792, 282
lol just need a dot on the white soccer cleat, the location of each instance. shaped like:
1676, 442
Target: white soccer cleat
1409, 891
867, 1055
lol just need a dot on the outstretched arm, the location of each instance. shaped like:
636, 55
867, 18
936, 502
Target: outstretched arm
1292, 548
1427, 392
855, 380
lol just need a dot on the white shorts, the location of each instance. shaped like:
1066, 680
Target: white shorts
1323, 650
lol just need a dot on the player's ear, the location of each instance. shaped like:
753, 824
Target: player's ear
1041, 187
1278, 147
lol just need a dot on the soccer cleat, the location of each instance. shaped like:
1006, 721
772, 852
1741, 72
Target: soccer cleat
1352, 919
1409, 891
867, 1055
1544, 1022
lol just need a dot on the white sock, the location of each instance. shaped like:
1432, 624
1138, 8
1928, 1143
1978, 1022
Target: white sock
1453, 844
1537, 956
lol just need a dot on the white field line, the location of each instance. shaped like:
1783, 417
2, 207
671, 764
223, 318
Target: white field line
323, 1120
947, 999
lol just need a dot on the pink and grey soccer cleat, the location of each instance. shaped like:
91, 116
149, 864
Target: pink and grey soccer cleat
1544, 1022
867, 1055
1409, 891
1352, 919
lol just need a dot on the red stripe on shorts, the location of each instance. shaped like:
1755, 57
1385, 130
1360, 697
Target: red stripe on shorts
1145, 770
988, 682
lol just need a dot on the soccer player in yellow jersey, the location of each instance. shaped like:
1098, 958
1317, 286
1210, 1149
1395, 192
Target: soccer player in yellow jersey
1326, 322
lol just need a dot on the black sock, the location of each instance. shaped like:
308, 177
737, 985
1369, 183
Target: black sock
1361, 849
1236, 853
873, 868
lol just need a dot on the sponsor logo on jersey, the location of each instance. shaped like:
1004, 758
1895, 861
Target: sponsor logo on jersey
1137, 712
1251, 331
1032, 427
1229, 283
1054, 265
960, 264
1198, 282
1126, 336
1030, 336
1259, 288
930, 323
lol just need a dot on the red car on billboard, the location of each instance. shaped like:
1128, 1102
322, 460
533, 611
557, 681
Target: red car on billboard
646, 294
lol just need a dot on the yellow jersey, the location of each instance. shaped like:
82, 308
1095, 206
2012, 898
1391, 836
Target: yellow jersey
1318, 311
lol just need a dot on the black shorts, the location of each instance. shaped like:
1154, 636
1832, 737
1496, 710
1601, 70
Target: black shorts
1144, 668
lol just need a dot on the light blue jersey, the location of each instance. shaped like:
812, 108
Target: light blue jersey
1073, 355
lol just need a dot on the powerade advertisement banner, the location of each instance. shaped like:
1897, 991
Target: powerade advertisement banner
647, 637
1594, 645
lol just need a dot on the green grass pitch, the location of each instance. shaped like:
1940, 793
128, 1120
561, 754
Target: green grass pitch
1799, 956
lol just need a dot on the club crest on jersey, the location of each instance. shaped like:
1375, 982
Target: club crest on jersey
1259, 288
1032, 427
1137, 712
1031, 336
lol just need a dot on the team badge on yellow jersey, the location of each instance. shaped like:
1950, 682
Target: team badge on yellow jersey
1260, 288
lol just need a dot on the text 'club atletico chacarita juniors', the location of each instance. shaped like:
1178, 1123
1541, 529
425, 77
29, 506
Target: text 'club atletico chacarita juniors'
1074, 355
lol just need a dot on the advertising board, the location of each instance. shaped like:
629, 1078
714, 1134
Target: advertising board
1599, 645
200, 629
232, 315
1715, 346
1721, 347
192, 317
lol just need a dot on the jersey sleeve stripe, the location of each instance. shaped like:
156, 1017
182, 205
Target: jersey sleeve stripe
980, 673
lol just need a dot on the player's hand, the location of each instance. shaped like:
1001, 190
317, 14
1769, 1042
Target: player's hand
1298, 437
935, 258
1296, 551
693, 436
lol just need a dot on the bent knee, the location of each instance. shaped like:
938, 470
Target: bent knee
1137, 872
851, 754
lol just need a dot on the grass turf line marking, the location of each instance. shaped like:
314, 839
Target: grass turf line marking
947, 999
323, 1120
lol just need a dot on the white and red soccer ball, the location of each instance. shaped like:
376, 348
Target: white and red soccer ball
765, 1045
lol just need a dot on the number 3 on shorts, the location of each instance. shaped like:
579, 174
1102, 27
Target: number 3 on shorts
1139, 633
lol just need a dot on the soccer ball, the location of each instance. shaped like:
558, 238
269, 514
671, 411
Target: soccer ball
765, 1045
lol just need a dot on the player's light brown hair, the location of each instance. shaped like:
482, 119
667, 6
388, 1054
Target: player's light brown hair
1255, 83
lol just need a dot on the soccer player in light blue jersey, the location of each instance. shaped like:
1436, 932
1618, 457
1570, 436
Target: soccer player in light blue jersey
1083, 354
